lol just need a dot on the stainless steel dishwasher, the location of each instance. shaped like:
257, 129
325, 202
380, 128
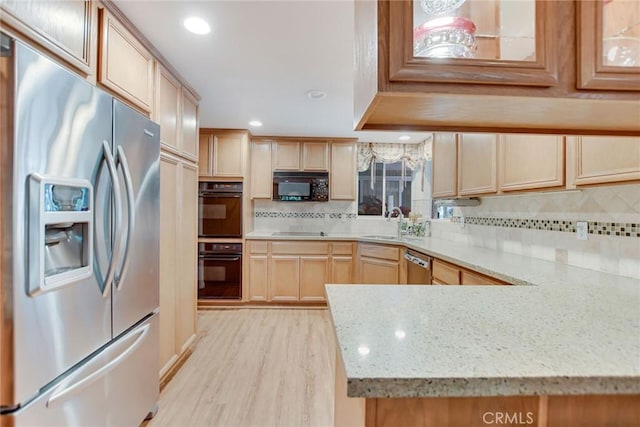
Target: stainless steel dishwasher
418, 268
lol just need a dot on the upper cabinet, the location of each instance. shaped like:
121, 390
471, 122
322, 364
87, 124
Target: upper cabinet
609, 44
125, 65
336, 156
301, 156
496, 66
531, 162
223, 153
189, 120
477, 157
499, 42
67, 28
445, 156
344, 171
261, 182
176, 110
601, 160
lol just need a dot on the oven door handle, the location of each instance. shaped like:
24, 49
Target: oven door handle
220, 258
221, 195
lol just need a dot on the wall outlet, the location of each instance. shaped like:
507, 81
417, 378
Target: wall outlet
582, 230
343, 217
326, 216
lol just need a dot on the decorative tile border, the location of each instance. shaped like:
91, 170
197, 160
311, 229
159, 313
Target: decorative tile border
602, 228
312, 215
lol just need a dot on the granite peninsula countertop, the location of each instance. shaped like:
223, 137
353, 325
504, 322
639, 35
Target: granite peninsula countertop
443, 341
575, 331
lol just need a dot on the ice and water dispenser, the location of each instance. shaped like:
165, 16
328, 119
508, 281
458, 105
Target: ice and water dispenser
60, 232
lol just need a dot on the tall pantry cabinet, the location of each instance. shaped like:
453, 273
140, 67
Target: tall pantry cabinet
176, 111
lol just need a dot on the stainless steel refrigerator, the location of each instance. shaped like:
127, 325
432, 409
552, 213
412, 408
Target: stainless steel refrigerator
80, 250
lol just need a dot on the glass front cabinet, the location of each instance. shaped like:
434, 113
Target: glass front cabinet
609, 44
503, 66
509, 42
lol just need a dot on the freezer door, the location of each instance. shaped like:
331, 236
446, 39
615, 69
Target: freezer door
118, 387
60, 306
137, 153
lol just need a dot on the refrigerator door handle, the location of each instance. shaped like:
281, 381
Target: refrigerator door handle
121, 158
113, 173
66, 389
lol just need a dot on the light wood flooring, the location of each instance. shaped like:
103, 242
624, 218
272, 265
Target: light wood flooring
255, 367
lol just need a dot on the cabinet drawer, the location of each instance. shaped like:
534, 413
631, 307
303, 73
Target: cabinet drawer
384, 252
342, 248
471, 278
300, 248
258, 247
445, 273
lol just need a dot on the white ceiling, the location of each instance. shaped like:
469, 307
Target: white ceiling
259, 60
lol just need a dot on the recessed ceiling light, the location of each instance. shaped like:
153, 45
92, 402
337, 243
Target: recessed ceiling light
316, 94
404, 138
197, 25
255, 123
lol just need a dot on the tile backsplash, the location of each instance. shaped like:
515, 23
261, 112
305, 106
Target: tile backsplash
542, 225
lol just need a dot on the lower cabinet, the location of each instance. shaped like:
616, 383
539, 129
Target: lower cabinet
296, 271
380, 264
178, 258
284, 278
445, 273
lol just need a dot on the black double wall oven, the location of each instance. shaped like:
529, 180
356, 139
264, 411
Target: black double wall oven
220, 261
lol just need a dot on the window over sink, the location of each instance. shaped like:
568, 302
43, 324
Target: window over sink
391, 188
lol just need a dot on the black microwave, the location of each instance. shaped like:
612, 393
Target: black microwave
301, 186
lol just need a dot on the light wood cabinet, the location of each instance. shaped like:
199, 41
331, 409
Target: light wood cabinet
342, 270
315, 156
68, 28
169, 199
530, 162
258, 272
601, 160
395, 89
300, 156
260, 172
125, 66
176, 111
284, 278
223, 153
342, 264
477, 158
190, 123
471, 278
343, 177
296, 271
187, 258
286, 155
178, 258
444, 273
604, 61
314, 274
380, 264
167, 107
444, 182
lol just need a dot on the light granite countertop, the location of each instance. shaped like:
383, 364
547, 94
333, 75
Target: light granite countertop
442, 341
575, 331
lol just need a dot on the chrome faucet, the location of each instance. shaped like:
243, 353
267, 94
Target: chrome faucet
400, 219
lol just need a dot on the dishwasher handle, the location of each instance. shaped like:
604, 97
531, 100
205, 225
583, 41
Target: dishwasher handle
424, 263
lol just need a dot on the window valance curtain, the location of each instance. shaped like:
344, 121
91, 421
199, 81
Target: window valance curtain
412, 155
